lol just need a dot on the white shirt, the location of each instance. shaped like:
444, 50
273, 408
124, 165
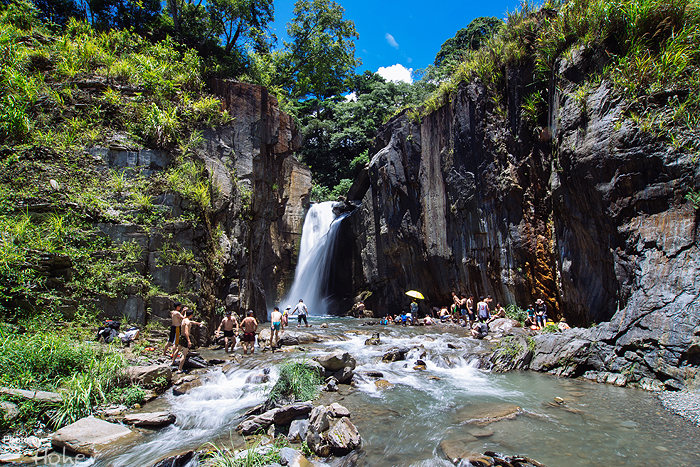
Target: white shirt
301, 309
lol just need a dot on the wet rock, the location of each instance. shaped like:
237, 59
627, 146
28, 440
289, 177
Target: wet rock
383, 384
152, 419
180, 460
488, 413
292, 458
336, 361
344, 437
145, 376
257, 423
558, 400
88, 435
395, 355
481, 433
374, 340
336, 410
257, 379
419, 367
324, 325
297, 431
286, 414
215, 361
372, 374
331, 384
344, 376
452, 346
319, 420
186, 386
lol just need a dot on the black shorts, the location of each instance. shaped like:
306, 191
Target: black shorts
228, 333
300, 317
183, 342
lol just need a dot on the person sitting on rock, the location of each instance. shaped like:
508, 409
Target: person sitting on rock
541, 313
499, 312
531, 316
480, 330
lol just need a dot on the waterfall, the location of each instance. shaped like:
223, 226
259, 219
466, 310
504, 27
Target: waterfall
317, 239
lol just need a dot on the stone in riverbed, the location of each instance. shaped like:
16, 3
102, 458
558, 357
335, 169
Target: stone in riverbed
383, 384
336, 361
344, 437
297, 431
152, 419
88, 435
286, 414
180, 460
488, 413
336, 410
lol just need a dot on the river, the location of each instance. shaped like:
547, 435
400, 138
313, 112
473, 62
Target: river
426, 412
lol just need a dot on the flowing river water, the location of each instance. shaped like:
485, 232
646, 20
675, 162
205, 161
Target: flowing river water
421, 414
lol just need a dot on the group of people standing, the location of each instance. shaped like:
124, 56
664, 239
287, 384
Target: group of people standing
181, 338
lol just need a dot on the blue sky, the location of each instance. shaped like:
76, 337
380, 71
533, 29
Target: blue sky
399, 36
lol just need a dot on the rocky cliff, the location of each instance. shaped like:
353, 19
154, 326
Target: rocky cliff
578, 206
246, 243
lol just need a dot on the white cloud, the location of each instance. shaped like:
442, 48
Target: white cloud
352, 97
396, 73
392, 42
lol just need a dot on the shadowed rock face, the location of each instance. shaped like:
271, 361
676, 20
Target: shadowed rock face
588, 213
272, 192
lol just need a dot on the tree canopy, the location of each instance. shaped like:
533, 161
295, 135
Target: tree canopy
469, 38
321, 53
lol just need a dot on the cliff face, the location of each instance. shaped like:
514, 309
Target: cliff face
247, 243
263, 214
586, 211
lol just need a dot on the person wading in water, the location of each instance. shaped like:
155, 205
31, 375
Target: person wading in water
228, 323
250, 327
185, 342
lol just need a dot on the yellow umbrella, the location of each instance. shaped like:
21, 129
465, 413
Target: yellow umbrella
415, 294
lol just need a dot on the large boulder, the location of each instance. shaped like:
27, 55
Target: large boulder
88, 435
286, 414
336, 361
344, 437
256, 424
145, 376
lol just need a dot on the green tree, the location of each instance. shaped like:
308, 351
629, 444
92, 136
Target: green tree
321, 54
236, 20
469, 38
338, 132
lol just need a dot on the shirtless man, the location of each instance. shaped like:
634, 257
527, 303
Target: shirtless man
228, 323
471, 309
250, 327
454, 309
175, 322
276, 318
185, 342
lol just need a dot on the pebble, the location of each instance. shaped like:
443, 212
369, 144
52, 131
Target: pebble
683, 403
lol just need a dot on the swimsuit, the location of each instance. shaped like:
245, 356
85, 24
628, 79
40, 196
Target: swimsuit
174, 334
276, 325
228, 333
248, 337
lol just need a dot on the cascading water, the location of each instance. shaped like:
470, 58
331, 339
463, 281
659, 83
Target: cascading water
413, 417
317, 238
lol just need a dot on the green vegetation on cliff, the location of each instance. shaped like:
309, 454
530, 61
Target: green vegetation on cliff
60, 95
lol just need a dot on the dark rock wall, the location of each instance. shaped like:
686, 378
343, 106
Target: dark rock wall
580, 207
264, 193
